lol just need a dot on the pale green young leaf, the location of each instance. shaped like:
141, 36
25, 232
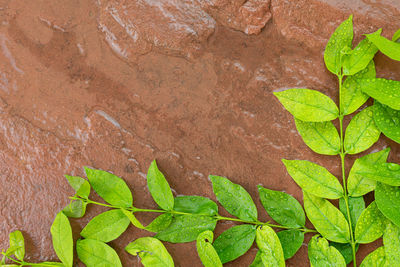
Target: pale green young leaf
386, 46
186, 228
75, 209
17, 240
308, 105
321, 137
314, 178
326, 218
396, 36
388, 173
345, 249
282, 207
270, 247
342, 38
94, 253
196, 205
110, 187
151, 252
158, 224
106, 226
370, 225
356, 207
359, 185
257, 262
159, 187
321, 254
61, 233
391, 242
132, 218
376, 258
387, 199
234, 242
207, 253
359, 58
234, 198
385, 91
80, 185
352, 96
291, 241
387, 120
361, 133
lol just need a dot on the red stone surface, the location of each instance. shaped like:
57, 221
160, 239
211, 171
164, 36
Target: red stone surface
116, 84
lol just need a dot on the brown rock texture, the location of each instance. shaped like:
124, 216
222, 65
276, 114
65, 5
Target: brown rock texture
116, 84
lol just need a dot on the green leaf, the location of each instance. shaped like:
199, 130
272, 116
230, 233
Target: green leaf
110, 187
321, 137
270, 247
388, 201
359, 57
50, 264
385, 91
94, 253
159, 187
370, 225
106, 226
234, 198
361, 133
314, 178
132, 218
186, 228
282, 207
391, 241
356, 207
359, 185
321, 254
196, 205
80, 185
346, 250
17, 241
75, 209
387, 120
396, 36
61, 233
388, 173
234, 242
326, 218
257, 262
352, 95
342, 38
208, 255
158, 224
308, 105
151, 252
387, 47
291, 241
376, 258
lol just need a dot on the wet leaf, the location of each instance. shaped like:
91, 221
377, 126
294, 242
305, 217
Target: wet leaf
321, 254
17, 241
359, 185
376, 258
257, 262
207, 253
361, 133
352, 95
321, 137
326, 218
270, 247
75, 209
391, 242
282, 207
234, 242
396, 36
342, 38
106, 226
61, 233
385, 91
95, 253
196, 205
359, 58
308, 105
346, 250
388, 173
314, 178
356, 207
186, 228
387, 47
160, 223
110, 187
370, 225
388, 201
132, 218
387, 120
159, 187
234, 198
151, 252
80, 185
291, 241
